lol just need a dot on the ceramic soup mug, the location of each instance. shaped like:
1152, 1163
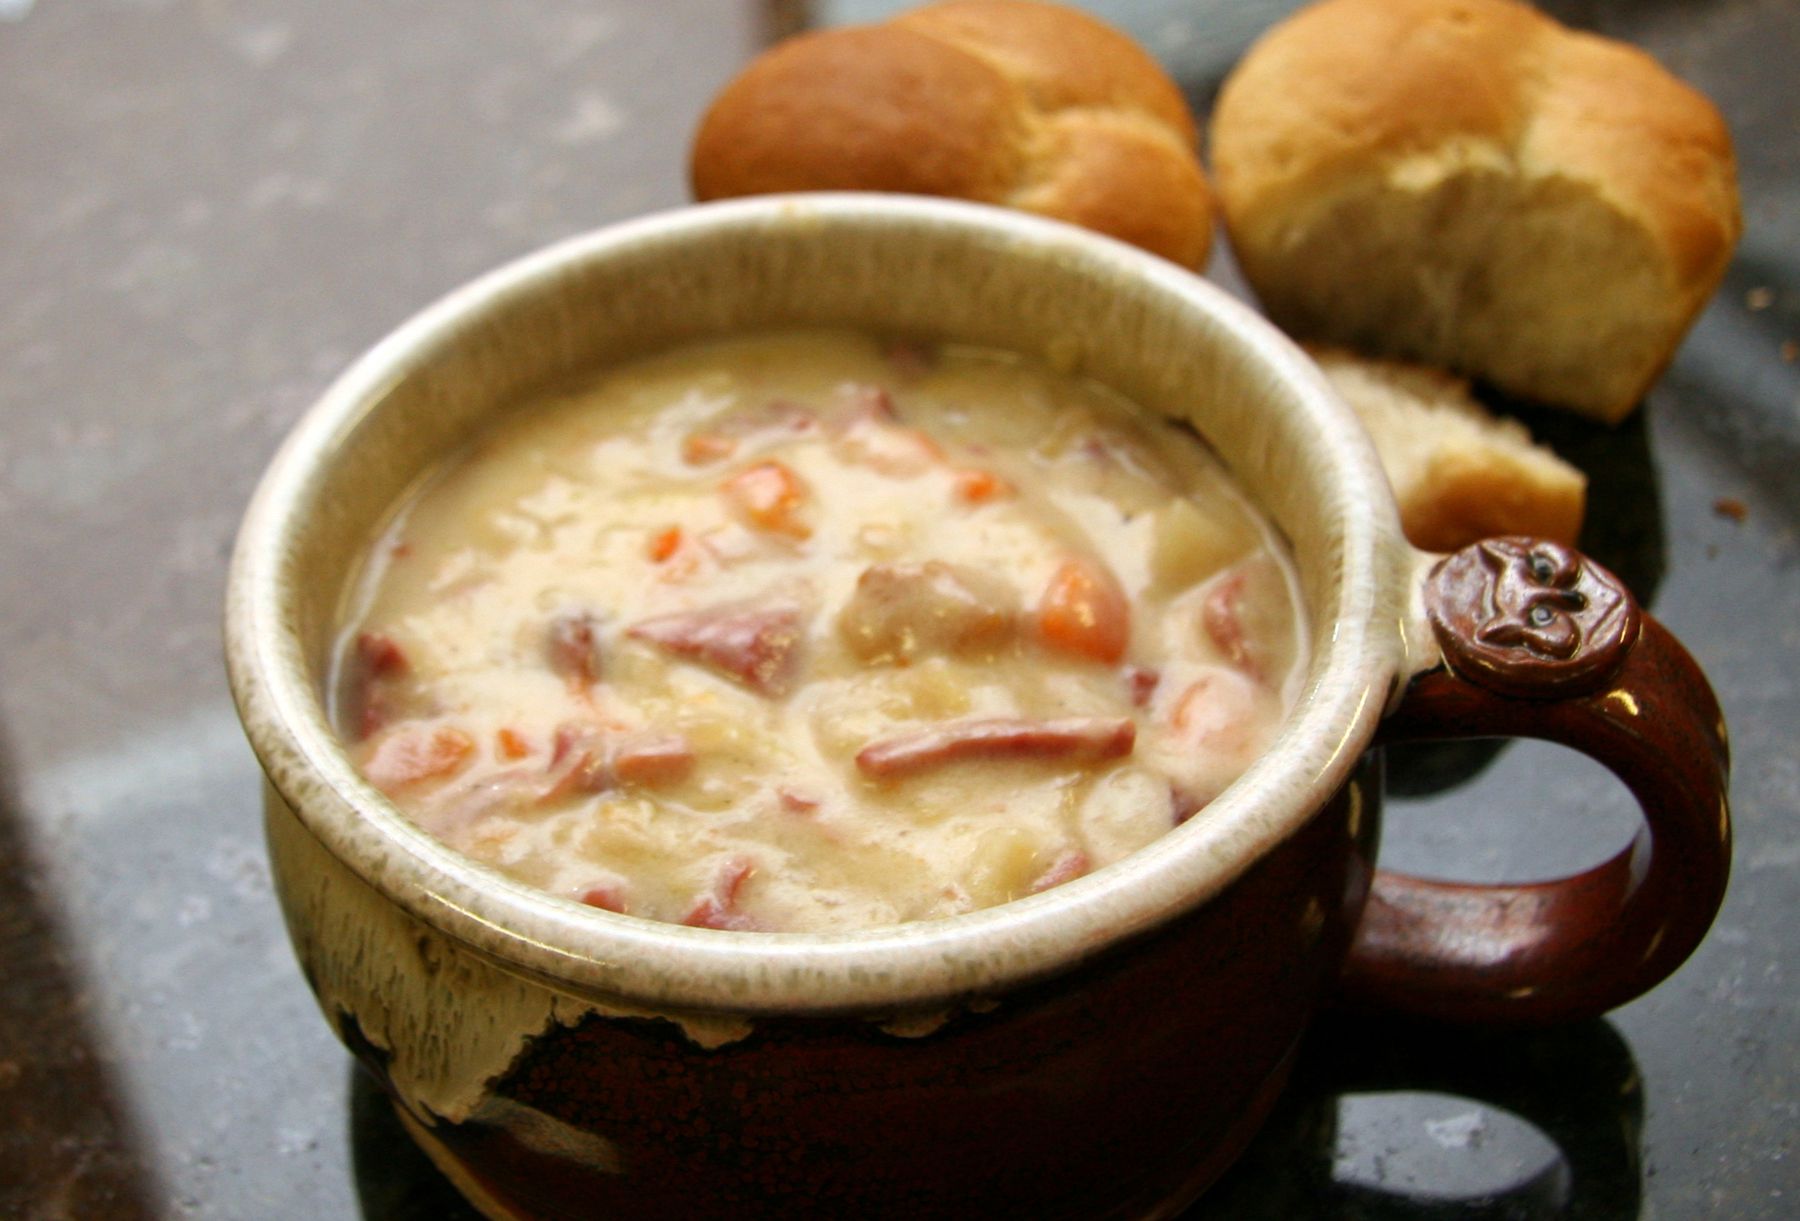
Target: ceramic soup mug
1102, 1049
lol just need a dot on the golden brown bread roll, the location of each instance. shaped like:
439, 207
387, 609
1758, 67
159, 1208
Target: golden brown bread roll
1470, 184
1459, 474
1028, 105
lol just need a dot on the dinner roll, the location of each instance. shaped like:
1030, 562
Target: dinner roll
1459, 474
1469, 183
1033, 106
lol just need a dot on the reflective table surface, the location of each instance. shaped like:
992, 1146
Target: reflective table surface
208, 207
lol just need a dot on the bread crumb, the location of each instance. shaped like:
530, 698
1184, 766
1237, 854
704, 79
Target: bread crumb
1759, 299
1790, 351
1731, 507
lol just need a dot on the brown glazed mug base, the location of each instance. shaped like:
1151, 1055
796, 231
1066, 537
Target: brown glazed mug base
1121, 1090
480, 1194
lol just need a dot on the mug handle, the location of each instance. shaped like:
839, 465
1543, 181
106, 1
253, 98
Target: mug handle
1539, 641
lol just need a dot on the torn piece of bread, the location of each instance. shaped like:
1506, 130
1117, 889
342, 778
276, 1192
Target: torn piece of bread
1012, 102
1470, 184
1459, 474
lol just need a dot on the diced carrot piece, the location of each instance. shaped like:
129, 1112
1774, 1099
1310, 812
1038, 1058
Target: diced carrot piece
700, 448
417, 753
769, 495
1084, 612
664, 543
678, 555
509, 743
976, 486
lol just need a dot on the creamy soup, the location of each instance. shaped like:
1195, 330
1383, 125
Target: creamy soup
809, 631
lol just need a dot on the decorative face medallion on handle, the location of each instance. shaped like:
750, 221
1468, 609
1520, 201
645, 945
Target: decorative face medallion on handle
1527, 617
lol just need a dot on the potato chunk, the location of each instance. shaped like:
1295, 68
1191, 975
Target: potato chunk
1188, 544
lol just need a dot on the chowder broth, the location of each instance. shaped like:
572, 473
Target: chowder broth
807, 631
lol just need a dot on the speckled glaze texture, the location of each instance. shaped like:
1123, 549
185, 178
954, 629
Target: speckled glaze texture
1102, 1049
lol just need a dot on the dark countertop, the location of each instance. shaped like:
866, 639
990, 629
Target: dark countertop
206, 209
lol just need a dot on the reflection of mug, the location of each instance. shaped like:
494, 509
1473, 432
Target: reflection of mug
1103, 1048
1386, 1119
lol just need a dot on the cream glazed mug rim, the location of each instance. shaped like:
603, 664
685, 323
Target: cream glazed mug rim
1364, 640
